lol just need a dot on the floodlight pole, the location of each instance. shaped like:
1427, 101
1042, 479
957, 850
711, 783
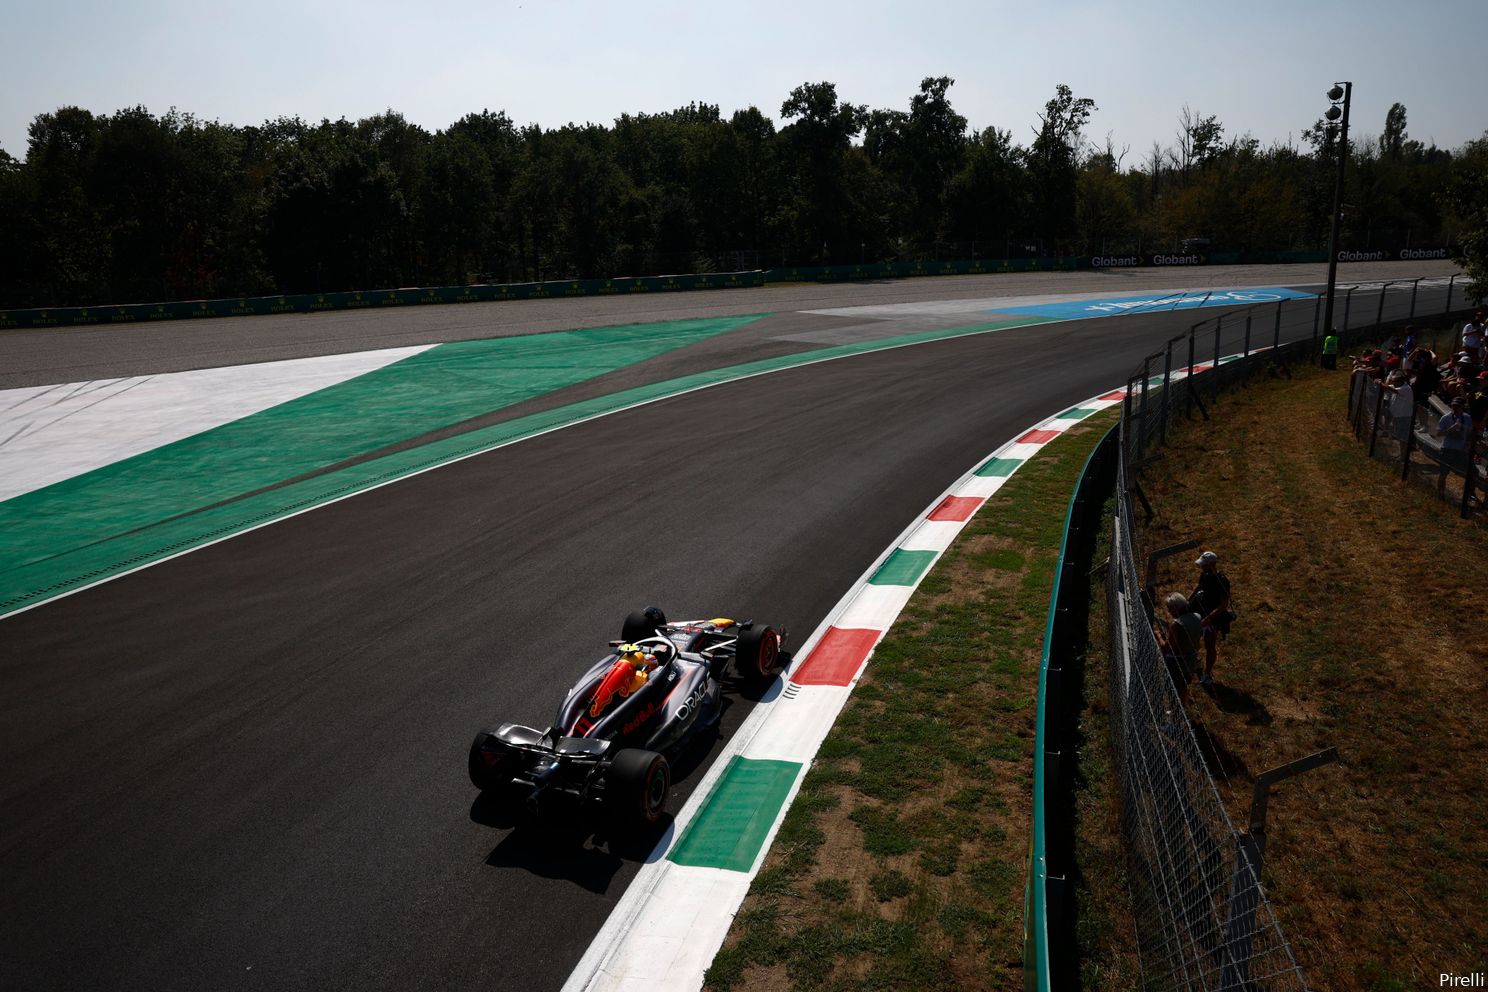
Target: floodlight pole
1348, 92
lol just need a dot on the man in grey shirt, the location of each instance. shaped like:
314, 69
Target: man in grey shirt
1402, 405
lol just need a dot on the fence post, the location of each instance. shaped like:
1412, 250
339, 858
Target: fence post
1469, 477
1276, 336
1142, 413
1167, 397
1450, 283
1188, 378
1379, 315
1218, 328
1348, 301
1379, 404
1317, 310
1415, 287
1126, 431
1410, 445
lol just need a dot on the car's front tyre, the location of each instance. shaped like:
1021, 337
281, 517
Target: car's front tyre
757, 658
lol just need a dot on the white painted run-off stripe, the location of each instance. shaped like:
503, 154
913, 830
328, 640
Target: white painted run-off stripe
52, 433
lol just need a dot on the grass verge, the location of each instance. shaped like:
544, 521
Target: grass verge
1360, 627
901, 863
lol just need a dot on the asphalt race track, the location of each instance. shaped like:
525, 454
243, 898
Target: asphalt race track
245, 767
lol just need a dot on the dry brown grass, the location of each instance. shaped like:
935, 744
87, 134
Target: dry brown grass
1362, 627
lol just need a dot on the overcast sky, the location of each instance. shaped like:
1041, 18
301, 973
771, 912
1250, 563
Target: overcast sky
1261, 67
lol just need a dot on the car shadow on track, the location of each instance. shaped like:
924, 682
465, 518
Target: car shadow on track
573, 854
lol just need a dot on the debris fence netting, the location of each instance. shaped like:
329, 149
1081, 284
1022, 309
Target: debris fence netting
1203, 921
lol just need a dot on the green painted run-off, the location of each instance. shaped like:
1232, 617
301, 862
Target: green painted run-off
902, 568
1077, 413
123, 516
730, 829
434, 389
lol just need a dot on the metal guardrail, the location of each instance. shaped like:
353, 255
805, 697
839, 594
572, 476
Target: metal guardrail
496, 292
373, 299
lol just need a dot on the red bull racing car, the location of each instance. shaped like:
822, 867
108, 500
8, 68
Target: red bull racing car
608, 748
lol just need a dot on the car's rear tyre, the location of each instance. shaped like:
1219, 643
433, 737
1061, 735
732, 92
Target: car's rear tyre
636, 787
757, 657
637, 628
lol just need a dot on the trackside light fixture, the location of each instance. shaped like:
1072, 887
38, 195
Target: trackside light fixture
1340, 95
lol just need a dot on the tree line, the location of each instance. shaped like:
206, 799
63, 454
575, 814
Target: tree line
134, 207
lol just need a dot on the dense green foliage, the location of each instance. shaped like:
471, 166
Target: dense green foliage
1466, 196
133, 207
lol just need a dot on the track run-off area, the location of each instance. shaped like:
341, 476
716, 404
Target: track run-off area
263, 579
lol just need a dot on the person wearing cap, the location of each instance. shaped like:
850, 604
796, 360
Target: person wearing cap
1211, 600
1330, 350
1473, 333
1402, 404
1455, 430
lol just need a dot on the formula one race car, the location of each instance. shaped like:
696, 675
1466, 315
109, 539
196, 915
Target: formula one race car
658, 689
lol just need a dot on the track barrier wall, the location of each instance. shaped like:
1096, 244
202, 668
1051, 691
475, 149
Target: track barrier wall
489, 293
1048, 907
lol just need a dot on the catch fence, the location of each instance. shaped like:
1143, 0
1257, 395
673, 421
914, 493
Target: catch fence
1202, 916
1423, 448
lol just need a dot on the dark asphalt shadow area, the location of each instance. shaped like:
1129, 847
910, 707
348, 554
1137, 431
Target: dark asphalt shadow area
574, 854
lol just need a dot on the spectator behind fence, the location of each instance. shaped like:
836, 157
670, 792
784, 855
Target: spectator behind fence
1472, 336
1211, 600
1461, 379
1455, 428
1370, 363
1330, 350
1427, 376
1180, 643
1467, 366
1477, 402
1402, 405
